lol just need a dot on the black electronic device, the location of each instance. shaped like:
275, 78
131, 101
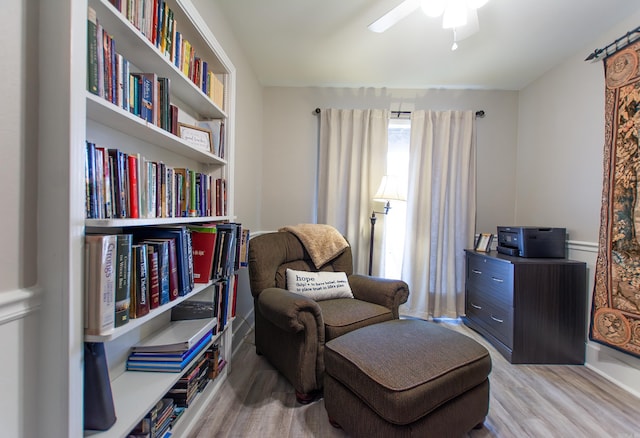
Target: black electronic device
535, 242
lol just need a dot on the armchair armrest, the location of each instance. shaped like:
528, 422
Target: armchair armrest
287, 310
383, 291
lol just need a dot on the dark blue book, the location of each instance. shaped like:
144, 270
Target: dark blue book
146, 100
118, 165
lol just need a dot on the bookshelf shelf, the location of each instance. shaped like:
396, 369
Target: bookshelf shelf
135, 323
108, 114
116, 223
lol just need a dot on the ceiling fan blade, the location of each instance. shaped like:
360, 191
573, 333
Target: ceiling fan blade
471, 27
394, 15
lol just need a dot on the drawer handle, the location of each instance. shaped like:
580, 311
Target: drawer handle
476, 306
475, 271
497, 280
497, 320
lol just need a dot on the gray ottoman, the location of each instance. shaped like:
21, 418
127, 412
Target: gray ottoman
406, 378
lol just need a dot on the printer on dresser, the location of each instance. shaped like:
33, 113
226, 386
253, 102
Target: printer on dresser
532, 310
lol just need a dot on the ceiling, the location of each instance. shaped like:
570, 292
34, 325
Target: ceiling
326, 43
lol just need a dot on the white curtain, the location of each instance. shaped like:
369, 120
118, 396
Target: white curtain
352, 160
441, 209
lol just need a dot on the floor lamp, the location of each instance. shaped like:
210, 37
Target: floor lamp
389, 190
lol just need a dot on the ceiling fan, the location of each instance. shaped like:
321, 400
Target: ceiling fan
459, 15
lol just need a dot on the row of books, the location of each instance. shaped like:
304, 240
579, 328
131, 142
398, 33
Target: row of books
110, 75
156, 21
120, 185
219, 249
129, 274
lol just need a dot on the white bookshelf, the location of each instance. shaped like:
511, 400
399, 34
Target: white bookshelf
136, 392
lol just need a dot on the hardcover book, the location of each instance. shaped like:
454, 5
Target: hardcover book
139, 284
154, 278
123, 279
204, 246
100, 286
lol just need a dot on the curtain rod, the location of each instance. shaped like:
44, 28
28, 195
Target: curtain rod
597, 52
480, 114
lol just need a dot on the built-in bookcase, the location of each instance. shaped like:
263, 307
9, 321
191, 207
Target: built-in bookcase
111, 126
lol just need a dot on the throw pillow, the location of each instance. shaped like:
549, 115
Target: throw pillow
319, 285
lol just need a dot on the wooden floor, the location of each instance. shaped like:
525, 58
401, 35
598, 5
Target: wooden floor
525, 401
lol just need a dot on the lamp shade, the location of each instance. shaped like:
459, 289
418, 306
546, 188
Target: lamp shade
390, 190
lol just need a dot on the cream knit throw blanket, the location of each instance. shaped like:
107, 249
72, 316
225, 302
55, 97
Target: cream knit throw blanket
322, 242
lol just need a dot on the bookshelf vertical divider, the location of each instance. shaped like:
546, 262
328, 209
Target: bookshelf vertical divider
111, 126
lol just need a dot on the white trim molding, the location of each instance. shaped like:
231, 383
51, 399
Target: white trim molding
16, 304
576, 245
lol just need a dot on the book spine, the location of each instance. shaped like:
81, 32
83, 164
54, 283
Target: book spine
123, 279
92, 51
133, 186
154, 279
101, 292
141, 283
174, 291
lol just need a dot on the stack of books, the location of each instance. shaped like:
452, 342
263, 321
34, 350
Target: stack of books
193, 382
157, 422
173, 349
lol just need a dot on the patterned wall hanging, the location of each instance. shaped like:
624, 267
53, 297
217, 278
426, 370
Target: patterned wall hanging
615, 313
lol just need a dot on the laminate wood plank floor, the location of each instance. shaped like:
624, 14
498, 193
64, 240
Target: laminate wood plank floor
525, 401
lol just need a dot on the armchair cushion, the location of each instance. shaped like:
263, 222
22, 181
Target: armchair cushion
319, 285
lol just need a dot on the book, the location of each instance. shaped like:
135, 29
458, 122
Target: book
100, 286
154, 277
92, 51
178, 337
132, 163
123, 279
204, 245
244, 247
193, 309
118, 165
139, 284
150, 97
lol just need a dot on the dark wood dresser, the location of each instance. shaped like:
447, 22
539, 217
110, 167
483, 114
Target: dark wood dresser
533, 311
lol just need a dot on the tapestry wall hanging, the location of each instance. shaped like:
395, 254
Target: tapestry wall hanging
615, 313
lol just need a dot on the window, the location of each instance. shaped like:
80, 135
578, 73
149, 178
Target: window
394, 224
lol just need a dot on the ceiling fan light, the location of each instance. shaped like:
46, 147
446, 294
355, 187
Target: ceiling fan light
455, 15
432, 8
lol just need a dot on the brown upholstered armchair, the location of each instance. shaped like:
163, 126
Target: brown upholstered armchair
291, 329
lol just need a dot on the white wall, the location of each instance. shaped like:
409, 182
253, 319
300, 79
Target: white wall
18, 178
291, 141
559, 170
248, 158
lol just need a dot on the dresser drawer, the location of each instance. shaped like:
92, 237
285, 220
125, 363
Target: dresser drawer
493, 277
495, 318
